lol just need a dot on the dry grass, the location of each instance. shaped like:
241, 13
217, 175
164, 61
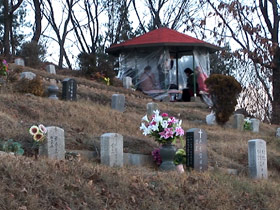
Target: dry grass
48, 184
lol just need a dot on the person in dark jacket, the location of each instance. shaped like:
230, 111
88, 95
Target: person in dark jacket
189, 91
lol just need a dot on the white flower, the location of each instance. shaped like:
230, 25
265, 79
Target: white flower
164, 123
145, 118
42, 128
156, 113
247, 120
33, 130
158, 119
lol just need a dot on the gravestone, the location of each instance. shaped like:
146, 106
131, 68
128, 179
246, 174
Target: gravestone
238, 122
69, 89
27, 75
278, 133
51, 69
111, 146
255, 124
127, 82
196, 149
54, 144
19, 62
118, 102
53, 91
257, 158
151, 107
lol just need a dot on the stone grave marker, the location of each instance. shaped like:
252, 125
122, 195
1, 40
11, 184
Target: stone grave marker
118, 102
54, 145
238, 122
27, 75
151, 107
111, 146
196, 149
127, 82
255, 125
53, 91
69, 89
19, 62
278, 133
51, 69
257, 159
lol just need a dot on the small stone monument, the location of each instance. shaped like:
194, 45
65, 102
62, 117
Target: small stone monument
53, 90
118, 102
196, 149
151, 107
255, 124
127, 82
278, 133
51, 69
238, 122
69, 89
27, 75
19, 62
54, 145
257, 158
111, 146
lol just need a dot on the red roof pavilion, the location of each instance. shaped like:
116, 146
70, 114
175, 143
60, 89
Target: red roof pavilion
159, 38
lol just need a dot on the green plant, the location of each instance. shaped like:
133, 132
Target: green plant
224, 91
34, 86
180, 157
12, 146
3, 68
247, 124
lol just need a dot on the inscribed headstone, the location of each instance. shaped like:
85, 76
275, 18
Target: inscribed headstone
238, 122
111, 146
51, 69
69, 89
151, 107
127, 82
257, 158
54, 145
19, 62
27, 75
118, 102
278, 133
196, 149
255, 125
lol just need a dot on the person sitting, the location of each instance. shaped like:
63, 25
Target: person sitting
147, 80
189, 91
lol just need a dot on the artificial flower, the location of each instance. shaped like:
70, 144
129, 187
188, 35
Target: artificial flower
33, 130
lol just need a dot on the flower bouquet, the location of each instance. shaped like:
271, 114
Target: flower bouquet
247, 124
163, 128
39, 133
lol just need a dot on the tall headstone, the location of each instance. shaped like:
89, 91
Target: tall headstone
54, 145
111, 146
69, 89
257, 158
51, 69
255, 124
151, 107
27, 75
238, 122
118, 102
278, 133
19, 62
196, 149
53, 91
127, 82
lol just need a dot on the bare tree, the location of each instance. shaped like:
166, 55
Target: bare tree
38, 20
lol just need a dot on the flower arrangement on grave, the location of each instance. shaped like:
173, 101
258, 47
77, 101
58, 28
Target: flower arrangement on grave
247, 124
164, 128
39, 134
3, 68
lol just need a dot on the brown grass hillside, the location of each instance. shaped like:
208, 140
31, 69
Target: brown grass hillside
27, 183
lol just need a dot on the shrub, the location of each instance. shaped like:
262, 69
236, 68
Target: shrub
11, 146
34, 86
33, 53
224, 91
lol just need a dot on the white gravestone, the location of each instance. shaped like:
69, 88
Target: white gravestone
257, 158
54, 145
127, 82
118, 102
278, 133
255, 125
111, 145
19, 62
27, 75
151, 107
238, 122
51, 69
